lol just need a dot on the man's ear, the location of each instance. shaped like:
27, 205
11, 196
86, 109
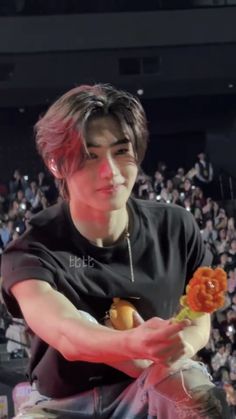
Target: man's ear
54, 169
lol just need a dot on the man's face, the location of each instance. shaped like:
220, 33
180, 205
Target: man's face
106, 180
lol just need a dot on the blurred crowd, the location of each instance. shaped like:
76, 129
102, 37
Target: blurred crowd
193, 190
20, 199
23, 197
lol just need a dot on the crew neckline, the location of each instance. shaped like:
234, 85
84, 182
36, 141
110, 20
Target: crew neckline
76, 236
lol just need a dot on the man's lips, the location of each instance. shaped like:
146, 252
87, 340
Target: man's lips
110, 188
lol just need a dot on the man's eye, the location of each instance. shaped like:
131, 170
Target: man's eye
91, 156
122, 151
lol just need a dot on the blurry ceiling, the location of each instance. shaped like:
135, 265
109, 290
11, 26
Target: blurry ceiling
147, 48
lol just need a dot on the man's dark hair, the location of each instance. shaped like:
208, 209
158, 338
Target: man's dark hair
61, 132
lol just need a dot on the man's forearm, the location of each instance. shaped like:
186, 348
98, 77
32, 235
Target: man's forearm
85, 341
58, 322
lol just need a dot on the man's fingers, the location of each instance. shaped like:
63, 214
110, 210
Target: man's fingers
173, 329
187, 321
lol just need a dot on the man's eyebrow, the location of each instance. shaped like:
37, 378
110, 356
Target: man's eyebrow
117, 142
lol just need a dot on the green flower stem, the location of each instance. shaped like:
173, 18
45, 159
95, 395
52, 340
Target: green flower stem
187, 313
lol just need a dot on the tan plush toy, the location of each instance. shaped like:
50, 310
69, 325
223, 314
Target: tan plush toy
121, 314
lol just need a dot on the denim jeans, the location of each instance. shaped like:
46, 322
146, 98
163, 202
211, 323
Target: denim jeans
184, 392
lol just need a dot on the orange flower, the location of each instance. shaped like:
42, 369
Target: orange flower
205, 291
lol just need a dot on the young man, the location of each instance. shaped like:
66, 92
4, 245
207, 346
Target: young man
100, 243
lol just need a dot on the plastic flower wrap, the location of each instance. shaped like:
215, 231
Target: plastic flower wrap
204, 293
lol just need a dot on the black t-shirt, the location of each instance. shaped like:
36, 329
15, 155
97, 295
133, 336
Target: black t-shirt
166, 249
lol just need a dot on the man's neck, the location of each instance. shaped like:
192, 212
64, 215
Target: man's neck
100, 228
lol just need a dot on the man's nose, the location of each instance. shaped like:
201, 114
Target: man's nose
108, 168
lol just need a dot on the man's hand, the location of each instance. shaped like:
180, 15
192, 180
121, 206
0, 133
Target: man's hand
157, 339
138, 320
167, 343
131, 367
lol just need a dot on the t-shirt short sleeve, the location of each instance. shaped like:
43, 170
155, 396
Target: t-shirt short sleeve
22, 261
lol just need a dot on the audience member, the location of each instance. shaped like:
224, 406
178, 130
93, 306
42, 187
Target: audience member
158, 184
221, 219
187, 189
231, 230
232, 252
167, 191
231, 281
209, 234
179, 177
221, 243
219, 363
18, 182
204, 173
